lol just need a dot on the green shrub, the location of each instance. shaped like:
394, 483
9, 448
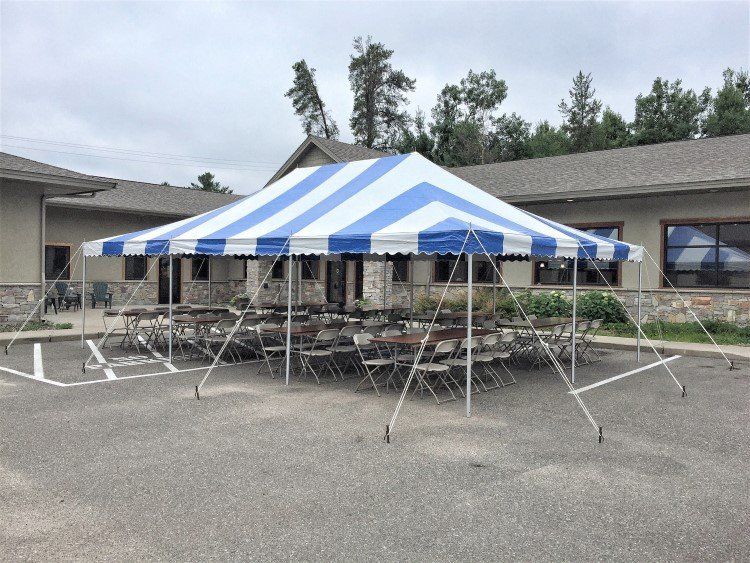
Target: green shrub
552, 304
601, 305
424, 303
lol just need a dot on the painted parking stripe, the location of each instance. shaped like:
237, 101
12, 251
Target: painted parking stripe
626, 374
157, 354
38, 364
99, 358
30, 376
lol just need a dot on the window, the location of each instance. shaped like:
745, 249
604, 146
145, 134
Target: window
400, 267
56, 258
559, 271
277, 273
200, 267
482, 270
135, 267
707, 255
310, 268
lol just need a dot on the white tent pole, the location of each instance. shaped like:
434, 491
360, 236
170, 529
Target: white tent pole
494, 286
638, 320
170, 308
411, 291
299, 284
468, 337
289, 319
385, 276
575, 295
83, 300
209, 281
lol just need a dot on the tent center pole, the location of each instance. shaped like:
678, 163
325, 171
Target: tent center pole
574, 327
469, 258
289, 319
638, 332
83, 300
171, 290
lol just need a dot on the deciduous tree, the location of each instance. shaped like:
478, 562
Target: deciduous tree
730, 109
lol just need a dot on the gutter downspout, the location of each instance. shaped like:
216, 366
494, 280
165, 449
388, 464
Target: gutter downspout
43, 235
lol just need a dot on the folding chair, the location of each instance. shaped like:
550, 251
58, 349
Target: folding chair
587, 350
458, 360
146, 324
344, 349
372, 366
435, 369
271, 347
218, 336
319, 354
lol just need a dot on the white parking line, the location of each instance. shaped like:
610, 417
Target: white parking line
38, 364
30, 376
638, 370
157, 354
99, 358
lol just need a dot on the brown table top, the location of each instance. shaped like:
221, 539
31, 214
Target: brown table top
453, 315
538, 323
196, 320
125, 313
415, 338
306, 329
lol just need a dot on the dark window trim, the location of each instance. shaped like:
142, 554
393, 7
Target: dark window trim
666, 222
620, 225
195, 261
462, 257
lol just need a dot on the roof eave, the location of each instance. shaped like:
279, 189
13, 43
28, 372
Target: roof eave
140, 211
631, 191
78, 185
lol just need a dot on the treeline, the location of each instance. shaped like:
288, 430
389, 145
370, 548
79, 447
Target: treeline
466, 125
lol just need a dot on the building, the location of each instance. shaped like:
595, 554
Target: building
39, 202
687, 202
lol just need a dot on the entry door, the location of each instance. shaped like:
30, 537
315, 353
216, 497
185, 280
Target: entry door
359, 279
164, 280
336, 281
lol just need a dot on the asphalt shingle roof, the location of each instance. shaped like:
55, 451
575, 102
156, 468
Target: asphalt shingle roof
20, 164
155, 199
347, 152
662, 166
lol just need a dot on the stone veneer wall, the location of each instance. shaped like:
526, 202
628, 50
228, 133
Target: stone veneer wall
664, 304
276, 290
17, 300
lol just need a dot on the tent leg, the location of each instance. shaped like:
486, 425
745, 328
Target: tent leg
289, 319
83, 301
171, 289
411, 291
638, 320
494, 286
469, 258
575, 296
209, 281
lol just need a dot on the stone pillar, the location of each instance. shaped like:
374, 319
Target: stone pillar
372, 282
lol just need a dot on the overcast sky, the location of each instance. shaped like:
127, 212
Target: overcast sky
207, 80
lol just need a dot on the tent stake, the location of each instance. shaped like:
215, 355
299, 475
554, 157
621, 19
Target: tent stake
387, 436
197, 393
601, 435
684, 391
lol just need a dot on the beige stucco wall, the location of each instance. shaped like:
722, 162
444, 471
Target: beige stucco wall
313, 156
74, 226
641, 224
20, 232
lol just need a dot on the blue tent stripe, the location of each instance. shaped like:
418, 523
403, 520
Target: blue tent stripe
415, 199
378, 169
215, 242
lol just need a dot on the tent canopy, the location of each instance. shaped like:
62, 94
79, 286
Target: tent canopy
396, 204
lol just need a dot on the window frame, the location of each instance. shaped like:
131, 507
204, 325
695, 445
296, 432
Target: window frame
619, 225
691, 221
67, 267
462, 258
125, 269
195, 260
309, 274
279, 264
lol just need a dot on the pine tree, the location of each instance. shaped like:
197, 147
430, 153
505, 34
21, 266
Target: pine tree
378, 117
308, 104
581, 113
207, 183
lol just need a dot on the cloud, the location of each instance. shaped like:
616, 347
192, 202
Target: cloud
207, 79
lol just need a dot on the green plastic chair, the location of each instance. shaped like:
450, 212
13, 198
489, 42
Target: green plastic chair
100, 295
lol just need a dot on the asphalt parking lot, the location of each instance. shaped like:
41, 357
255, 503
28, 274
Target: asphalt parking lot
137, 468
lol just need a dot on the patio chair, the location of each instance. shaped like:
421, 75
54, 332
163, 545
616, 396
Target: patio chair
503, 351
431, 374
374, 368
100, 294
146, 330
457, 362
587, 351
344, 349
219, 336
488, 354
272, 347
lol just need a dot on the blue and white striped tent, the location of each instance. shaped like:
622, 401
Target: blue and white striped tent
396, 204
